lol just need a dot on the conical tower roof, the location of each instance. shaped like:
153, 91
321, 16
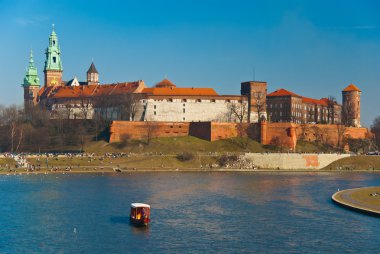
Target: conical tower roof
351, 88
92, 69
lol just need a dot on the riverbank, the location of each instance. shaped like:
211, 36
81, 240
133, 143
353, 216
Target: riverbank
364, 200
193, 162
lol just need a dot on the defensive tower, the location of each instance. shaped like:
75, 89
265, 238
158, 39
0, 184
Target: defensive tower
351, 106
256, 91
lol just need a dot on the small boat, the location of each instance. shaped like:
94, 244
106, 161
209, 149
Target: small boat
140, 214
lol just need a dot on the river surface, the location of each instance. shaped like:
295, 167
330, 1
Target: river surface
191, 213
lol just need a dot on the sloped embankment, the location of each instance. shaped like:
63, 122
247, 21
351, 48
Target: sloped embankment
360, 162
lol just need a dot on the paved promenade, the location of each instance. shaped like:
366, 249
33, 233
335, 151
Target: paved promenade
365, 200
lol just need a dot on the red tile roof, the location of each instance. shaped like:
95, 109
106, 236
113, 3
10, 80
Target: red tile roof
322, 102
88, 91
282, 92
179, 91
351, 88
165, 83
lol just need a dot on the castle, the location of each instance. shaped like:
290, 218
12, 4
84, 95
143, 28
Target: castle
166, 102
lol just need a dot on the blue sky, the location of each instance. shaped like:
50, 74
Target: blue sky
313, 48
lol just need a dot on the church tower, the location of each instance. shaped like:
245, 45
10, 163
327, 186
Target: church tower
53, 65
31, 84
92, 75
351, 106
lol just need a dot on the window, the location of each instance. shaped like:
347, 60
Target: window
198, 100
54, 59
212, 100
154, 106
183, 119
184, 100
228, 101
154, 112
53, 42
184, 111
170, 100
184, 104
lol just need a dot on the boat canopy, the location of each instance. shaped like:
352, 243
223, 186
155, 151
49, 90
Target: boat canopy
136, 205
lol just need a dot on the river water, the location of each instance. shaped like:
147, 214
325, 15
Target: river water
191, 213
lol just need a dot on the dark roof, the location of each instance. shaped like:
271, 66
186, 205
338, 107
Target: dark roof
92, 69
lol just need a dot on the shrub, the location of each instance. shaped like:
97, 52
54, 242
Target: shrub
186, 156
227, 159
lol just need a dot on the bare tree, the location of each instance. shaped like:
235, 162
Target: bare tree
151, 129
259, 100
375, 128
331, 114
237, 111
341, 130
85, 105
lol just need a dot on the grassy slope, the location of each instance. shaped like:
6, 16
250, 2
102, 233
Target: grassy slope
146, 161
4, 161
176, 145
355, 163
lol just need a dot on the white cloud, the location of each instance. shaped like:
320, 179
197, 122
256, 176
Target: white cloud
32, 21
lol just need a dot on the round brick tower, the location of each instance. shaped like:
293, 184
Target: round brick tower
351, 106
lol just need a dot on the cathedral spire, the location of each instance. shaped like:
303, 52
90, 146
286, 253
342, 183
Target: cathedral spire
92, 75
53, 64
31, 76
53, 53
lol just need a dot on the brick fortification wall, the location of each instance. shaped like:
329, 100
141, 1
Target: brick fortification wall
287, 134
280, 134
122, 130
211, 131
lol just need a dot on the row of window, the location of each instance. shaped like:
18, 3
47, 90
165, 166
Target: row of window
196, 100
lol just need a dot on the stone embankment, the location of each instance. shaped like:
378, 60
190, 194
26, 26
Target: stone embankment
364, 200
291, 161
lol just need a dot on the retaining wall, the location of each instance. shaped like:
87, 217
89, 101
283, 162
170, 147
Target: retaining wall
292, 161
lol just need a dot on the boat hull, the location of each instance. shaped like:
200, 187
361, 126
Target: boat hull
140, 222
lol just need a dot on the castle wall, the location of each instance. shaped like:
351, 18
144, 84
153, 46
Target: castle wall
187, 110
123, 130
279, 134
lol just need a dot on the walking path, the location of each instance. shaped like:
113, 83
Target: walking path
365, 200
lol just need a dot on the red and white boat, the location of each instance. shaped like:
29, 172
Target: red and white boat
140, 214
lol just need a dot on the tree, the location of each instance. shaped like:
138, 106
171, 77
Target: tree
331, 114
259, 104
340, 130
241, 130
150, 131
375, 128
237, 111
85, 105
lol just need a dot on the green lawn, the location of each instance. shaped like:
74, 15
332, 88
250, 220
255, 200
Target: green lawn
7, 161
144, 161
177, 145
